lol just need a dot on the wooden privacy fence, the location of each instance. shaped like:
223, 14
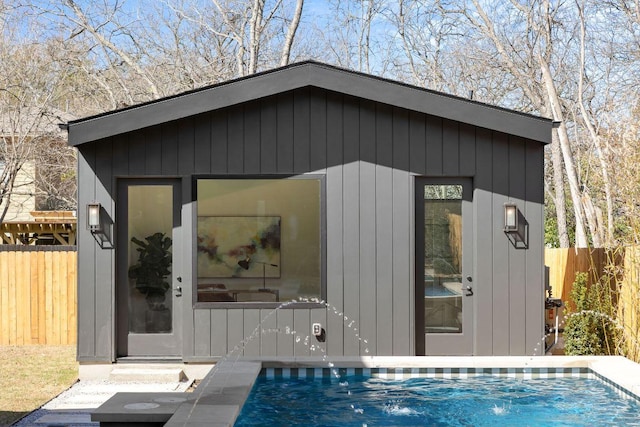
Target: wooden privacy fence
623, 262
38, 295
565, 263
629, 302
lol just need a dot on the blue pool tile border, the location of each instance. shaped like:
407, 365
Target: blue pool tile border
405, 373
446, 373
621, 391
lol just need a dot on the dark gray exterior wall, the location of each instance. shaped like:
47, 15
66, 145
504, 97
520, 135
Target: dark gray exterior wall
370, 153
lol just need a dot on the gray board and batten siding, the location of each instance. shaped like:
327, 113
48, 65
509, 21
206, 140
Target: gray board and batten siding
370, 138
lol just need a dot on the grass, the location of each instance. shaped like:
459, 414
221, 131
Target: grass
30, 376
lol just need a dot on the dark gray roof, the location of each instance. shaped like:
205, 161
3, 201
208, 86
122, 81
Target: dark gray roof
306, 74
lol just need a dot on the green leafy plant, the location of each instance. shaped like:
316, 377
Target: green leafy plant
590, 325
153, 266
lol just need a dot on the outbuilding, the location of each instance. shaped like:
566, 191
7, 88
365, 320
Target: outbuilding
309, 211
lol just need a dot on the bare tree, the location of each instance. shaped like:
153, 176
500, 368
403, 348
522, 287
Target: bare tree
588, 120
527, 46
111, 35
424, 32
352, 34
291, 33
30, 81
257, 35
55, 177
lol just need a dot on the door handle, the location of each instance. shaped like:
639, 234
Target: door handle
178, 288
468, 291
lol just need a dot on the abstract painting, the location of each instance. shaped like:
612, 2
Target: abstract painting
223, 241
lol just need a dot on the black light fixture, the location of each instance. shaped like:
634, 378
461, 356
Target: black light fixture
515, 226
510, 218
94, 223
246, 263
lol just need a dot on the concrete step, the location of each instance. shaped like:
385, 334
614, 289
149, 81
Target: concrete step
65, 419
147, 374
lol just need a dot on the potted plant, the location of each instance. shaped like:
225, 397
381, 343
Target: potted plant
152, 269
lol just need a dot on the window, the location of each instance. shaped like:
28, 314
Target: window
259, 240
443, 258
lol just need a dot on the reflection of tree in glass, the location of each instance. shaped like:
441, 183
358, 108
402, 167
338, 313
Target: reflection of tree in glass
442, 266
443, 228
443, 192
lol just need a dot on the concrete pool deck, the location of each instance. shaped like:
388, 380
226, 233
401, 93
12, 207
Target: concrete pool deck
98, 382
219, 398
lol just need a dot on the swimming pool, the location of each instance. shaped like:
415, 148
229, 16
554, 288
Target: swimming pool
437, 397
440, 291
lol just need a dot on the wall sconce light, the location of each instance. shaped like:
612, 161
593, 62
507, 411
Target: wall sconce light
510, 218
94, 224
515, 226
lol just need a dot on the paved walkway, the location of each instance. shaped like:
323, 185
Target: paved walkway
72, 408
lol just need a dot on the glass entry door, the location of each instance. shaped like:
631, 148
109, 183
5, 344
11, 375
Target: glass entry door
149, 292
444, 264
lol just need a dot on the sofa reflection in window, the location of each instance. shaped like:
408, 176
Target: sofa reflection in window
214, 292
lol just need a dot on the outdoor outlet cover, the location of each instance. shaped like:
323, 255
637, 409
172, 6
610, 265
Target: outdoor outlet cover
317, 329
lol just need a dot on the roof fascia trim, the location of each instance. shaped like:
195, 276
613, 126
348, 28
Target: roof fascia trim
185, 105
438, 104
310, 74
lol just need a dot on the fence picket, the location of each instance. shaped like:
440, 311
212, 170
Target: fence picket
11, 286
34, 299
4, 297
42, 303
71, 298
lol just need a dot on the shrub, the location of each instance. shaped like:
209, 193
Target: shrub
590, 327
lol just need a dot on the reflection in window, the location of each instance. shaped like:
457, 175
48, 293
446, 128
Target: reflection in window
150, 224
258, 240
443, 258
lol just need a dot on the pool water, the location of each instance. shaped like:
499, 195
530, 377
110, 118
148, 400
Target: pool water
476, 401
438, 291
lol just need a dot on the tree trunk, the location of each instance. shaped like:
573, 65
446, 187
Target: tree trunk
590, 210
84, 23
291, 33
567, 156
559, 198
255, 25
